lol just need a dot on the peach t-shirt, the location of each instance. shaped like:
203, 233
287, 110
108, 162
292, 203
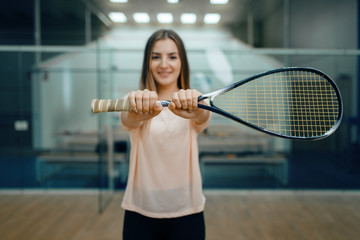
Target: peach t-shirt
164, 176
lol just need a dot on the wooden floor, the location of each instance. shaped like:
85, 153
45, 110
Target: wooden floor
231, 215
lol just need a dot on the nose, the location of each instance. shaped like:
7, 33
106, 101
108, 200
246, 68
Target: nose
164, 63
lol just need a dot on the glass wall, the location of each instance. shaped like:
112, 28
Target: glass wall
51, 139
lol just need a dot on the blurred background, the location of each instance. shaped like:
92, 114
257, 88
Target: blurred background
57, 55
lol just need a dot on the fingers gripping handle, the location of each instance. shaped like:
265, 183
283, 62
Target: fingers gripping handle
115, 105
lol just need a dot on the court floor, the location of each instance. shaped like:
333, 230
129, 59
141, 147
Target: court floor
229, 214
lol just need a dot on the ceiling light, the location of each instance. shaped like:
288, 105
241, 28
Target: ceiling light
219, 1
118, 17
212, 18
141, 17
165, 18
119, 1
188, 18
173, 1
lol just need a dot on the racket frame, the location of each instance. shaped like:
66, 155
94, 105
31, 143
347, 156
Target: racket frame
211, 96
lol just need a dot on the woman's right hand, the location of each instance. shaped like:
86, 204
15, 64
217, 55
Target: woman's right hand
144, 105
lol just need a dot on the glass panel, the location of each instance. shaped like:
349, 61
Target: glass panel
105, 129
16, 157
51, 140
63, 130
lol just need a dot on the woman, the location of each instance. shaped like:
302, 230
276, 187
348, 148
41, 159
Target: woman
163, 197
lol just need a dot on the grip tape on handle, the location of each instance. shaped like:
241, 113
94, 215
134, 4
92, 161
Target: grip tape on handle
115, 105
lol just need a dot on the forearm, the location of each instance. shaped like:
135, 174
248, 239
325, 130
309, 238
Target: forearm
201, 117
130, 120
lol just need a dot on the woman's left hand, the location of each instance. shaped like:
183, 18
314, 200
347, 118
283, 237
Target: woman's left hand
184, 104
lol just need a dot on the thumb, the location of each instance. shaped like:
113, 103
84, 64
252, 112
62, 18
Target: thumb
172, 106
158, 108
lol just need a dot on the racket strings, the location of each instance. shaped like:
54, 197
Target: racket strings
292, 103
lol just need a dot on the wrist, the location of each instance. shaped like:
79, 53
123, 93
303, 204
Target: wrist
131, 119
201, 117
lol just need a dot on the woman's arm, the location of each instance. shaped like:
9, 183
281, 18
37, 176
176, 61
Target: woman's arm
143, 105
184, 104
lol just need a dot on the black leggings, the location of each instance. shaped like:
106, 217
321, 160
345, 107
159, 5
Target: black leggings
137, 226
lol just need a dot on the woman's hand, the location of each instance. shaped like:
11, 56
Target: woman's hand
184, 104
143, 107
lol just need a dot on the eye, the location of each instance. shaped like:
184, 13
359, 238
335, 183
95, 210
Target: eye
155, 57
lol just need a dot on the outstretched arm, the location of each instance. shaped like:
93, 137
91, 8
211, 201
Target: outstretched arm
184, 104
143, 105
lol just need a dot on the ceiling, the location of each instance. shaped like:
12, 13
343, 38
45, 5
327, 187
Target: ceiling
228, 11
63, 21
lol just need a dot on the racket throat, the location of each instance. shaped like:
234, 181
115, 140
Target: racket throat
165, 103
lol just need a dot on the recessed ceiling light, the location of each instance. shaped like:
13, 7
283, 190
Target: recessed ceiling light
173, 1
119, 1
219, 1
118, 17
188, 18
212, 18
165, 18
141, 17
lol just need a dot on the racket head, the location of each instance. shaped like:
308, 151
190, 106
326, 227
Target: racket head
293, 103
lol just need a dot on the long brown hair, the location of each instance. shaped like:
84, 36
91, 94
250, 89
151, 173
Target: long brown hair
147, 81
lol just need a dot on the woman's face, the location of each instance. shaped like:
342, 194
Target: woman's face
165, 63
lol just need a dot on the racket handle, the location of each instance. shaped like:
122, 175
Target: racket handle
115, 105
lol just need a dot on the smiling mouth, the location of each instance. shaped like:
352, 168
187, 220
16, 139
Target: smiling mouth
164, 73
